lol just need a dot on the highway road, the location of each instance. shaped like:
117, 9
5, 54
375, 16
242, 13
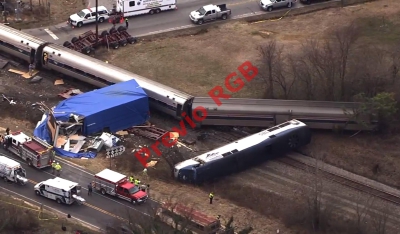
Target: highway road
98, 211
149, 24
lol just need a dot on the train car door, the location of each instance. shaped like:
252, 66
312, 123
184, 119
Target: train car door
32, 56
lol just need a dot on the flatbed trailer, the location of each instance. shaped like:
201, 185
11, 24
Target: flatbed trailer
84, 43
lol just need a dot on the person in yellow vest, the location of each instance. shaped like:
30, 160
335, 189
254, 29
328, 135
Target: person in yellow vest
131, 179
53, 166
58, 169
211, 196
137, 182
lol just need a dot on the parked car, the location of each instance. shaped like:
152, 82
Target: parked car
210, 13
87, 16
269, 5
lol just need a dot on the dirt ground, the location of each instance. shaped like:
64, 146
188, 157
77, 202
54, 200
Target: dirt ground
358, 154
197, 63
38, 16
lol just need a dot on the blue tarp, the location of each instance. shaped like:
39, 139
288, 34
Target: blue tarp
116, 107
42, 131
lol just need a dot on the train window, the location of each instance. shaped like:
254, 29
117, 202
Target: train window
273, 129
234, 151
284, 125
132, 3
226, 154
272, 136
68, 67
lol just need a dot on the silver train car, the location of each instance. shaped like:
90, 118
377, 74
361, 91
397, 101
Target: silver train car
233, 112
89, 70
268, 112
19, 44
244, 153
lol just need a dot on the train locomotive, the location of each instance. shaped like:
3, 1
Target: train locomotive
233, 112
244, 153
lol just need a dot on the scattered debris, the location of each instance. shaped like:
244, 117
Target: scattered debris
16, 71
70, 93
59, 82
96, 144
150, 132
179, 144
10, 100
3, 63
36, 79
27, 76
109, 139
151, 163
189, 141
122, 133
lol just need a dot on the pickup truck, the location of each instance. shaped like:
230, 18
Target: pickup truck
209, 13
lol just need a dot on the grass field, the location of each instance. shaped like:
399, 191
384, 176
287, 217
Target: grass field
197, 63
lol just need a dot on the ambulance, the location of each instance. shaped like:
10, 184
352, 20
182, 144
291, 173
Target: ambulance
60, 190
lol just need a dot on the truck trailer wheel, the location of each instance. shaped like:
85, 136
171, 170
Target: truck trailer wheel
37, 193
158, 11
200, 22
58, 200
121, 28
103, 191
224, 17
74, 39
151, 12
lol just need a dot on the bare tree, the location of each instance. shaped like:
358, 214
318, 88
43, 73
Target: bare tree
270, 55
380, 219
346, 37
362, 213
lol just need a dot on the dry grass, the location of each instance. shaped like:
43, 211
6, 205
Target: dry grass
60, 10
197, 63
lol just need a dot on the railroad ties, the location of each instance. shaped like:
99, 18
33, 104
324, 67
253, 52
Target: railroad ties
150, 132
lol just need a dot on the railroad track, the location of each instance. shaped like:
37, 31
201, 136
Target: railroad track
343, 180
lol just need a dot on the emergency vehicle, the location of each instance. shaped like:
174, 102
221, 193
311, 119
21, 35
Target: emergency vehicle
116, 184
11, 170
87, 16
61, 190
34, 151
128, 8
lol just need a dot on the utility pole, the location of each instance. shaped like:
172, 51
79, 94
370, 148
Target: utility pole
97, 22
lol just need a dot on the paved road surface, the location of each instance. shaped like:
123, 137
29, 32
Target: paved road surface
99, 210
145, 24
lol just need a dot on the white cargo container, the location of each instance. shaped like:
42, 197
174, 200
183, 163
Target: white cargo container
11, 170
140, 7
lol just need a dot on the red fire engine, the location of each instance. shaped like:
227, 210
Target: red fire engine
34, 151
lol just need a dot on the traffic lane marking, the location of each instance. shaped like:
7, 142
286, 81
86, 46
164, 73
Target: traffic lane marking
51, 33
89, 205
100, 195
49, 207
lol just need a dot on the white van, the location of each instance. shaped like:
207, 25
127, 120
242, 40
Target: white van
87, 16
60, 190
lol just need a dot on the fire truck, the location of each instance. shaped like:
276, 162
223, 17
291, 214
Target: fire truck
116, 184
34, 151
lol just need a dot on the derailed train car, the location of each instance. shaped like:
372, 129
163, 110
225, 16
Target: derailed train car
244, 153
270, 112
89, 70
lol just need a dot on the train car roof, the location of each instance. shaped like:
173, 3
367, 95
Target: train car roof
90, 62
18, 33
247, 142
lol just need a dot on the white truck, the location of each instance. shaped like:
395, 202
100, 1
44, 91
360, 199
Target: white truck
127, 8
87, 16
210, 13
61, 190
11, 170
